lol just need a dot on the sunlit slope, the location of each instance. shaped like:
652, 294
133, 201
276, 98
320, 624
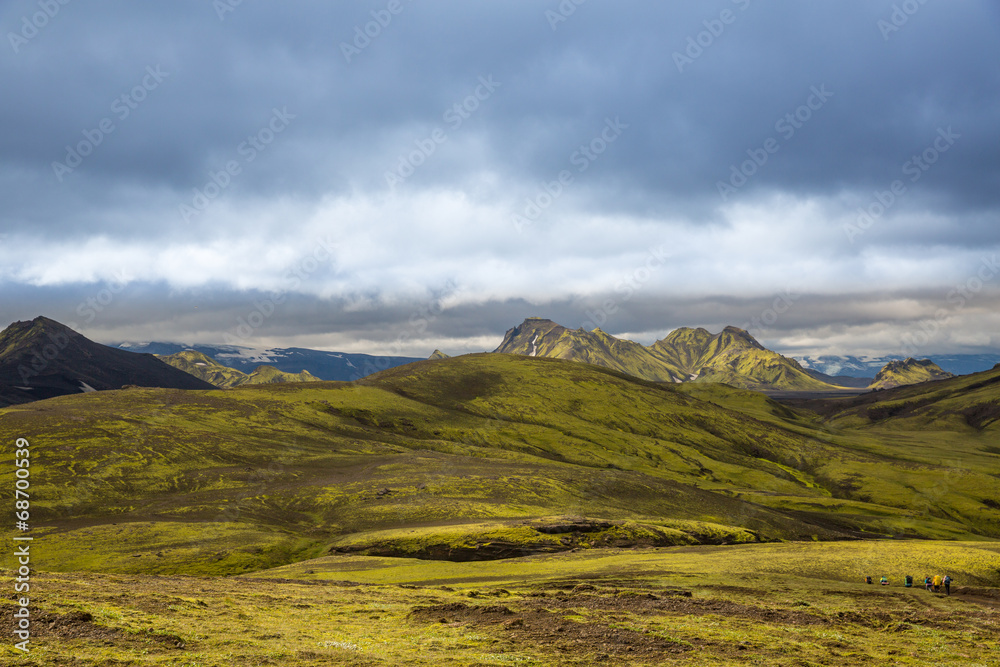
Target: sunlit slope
732, 356
205, 368
908, 371
235, 480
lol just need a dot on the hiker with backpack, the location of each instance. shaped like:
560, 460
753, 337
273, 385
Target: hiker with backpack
947, 584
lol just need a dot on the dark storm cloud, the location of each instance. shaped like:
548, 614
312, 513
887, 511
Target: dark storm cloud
848, 94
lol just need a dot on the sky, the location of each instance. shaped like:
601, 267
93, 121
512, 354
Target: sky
397, 176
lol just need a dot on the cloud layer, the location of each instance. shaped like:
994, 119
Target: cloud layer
401, 176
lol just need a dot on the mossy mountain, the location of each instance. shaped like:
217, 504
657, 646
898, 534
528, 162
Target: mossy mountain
208, 369
732, 356
908, 371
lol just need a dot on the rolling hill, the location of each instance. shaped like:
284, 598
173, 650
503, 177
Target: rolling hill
732, 356
42, 358
211, 371
478, 457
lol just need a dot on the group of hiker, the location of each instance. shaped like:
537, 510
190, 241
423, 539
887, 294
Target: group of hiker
932, 584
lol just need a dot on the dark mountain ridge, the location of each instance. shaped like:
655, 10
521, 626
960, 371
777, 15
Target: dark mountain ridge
43, 358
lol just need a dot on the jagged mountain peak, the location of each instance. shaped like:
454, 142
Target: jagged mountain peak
732, 356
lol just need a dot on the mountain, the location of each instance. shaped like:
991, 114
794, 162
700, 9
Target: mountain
840, 380
438, 354
209, 370
908, 371
338, 366
732, 356
43, 358
489, 456
867, 367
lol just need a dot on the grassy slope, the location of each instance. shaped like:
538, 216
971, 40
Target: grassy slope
204, 367
773, 604
236, 480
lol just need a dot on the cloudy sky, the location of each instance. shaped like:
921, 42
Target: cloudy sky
397, 175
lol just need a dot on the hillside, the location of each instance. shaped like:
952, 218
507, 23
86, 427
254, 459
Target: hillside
42, 358
467, 458
908, 371
205, 368
732, 356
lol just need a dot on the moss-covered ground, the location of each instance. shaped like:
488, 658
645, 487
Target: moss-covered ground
757, 604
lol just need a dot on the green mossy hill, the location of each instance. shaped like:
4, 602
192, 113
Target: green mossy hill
958, 408
270, 375
908, 371
205, 368
217, 482
438, 354
732, 356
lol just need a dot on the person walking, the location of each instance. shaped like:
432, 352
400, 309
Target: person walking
927, 584
947, 584
937, 583
908, 581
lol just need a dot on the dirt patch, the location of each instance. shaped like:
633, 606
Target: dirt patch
551, 628
81, 625
674, 603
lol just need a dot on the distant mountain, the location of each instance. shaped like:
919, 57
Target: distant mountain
840, 380
43, 358
732, 356
909, 371
340, 366
438, 354
867, 367
210, 370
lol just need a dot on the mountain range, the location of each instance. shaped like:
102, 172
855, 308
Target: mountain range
868, 367
211, 371
732, 356
337, 366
